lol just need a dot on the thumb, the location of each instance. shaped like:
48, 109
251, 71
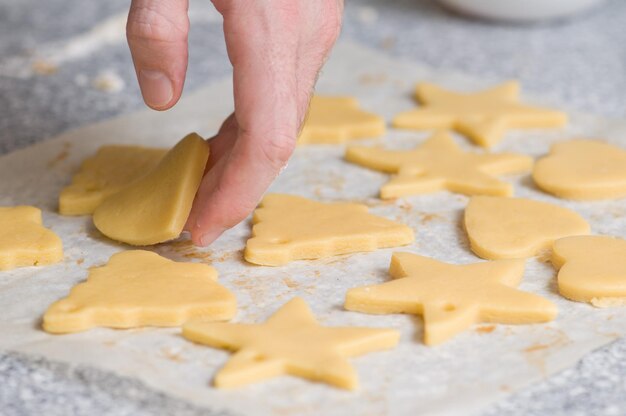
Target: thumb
157, 36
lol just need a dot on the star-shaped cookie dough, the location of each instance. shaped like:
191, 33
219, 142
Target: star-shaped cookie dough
154, 208
592, 269
24, 241
515, 228
288, 228
439, 164
451, 297
140, 288
338, 119
292, 342
105, 173
583, 169
483, 116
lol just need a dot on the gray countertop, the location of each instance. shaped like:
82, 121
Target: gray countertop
581, 62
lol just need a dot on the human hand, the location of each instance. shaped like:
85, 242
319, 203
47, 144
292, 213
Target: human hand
277, 48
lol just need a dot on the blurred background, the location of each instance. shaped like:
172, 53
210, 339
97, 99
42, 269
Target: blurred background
64, 63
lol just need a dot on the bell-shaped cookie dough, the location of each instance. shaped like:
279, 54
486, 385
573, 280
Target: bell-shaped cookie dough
288, 228
140, 288
451, 298
155, 208
510, 228
439, 164
483, 116
24, 241
592, 269
338, 119
583, 169
290, 342
105, 173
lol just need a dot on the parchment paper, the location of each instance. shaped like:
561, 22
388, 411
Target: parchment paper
459, 377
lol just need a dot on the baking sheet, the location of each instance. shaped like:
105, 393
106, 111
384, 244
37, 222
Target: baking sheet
462, 376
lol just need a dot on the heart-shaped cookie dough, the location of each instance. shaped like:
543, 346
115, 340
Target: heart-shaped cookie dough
509, 228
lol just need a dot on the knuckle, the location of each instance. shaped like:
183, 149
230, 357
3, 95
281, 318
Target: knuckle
156, 24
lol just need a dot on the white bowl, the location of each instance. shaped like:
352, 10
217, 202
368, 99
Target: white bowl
520, 10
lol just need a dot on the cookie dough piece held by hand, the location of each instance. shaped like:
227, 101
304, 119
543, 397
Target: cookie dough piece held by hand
140, 288
24, 241
155, 208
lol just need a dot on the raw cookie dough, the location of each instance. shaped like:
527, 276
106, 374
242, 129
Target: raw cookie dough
288, 228
482, 116
155, 208
509, 228
292, 342
105, 173
583, 169
337, 120
24, 241
140, 288
452, 297
592, 269
439, 164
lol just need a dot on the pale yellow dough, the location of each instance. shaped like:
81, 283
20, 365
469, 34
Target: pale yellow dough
105, 173
338, 119
439, 164
583, 169
288, 228
140, 288
592, 269
155, 208
24, 241
289, 342
484, 116
452, 297
508, 228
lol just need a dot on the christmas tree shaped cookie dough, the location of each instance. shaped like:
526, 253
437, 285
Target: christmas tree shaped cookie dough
483, 116
155, 208
509, 228
290, 342
451, 297
592, 269
583, 169
288, 228
105, 173
140, 288
24, 241
338, 119
439, 164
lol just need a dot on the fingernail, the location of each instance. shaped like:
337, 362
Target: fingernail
209, 237
156, 88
